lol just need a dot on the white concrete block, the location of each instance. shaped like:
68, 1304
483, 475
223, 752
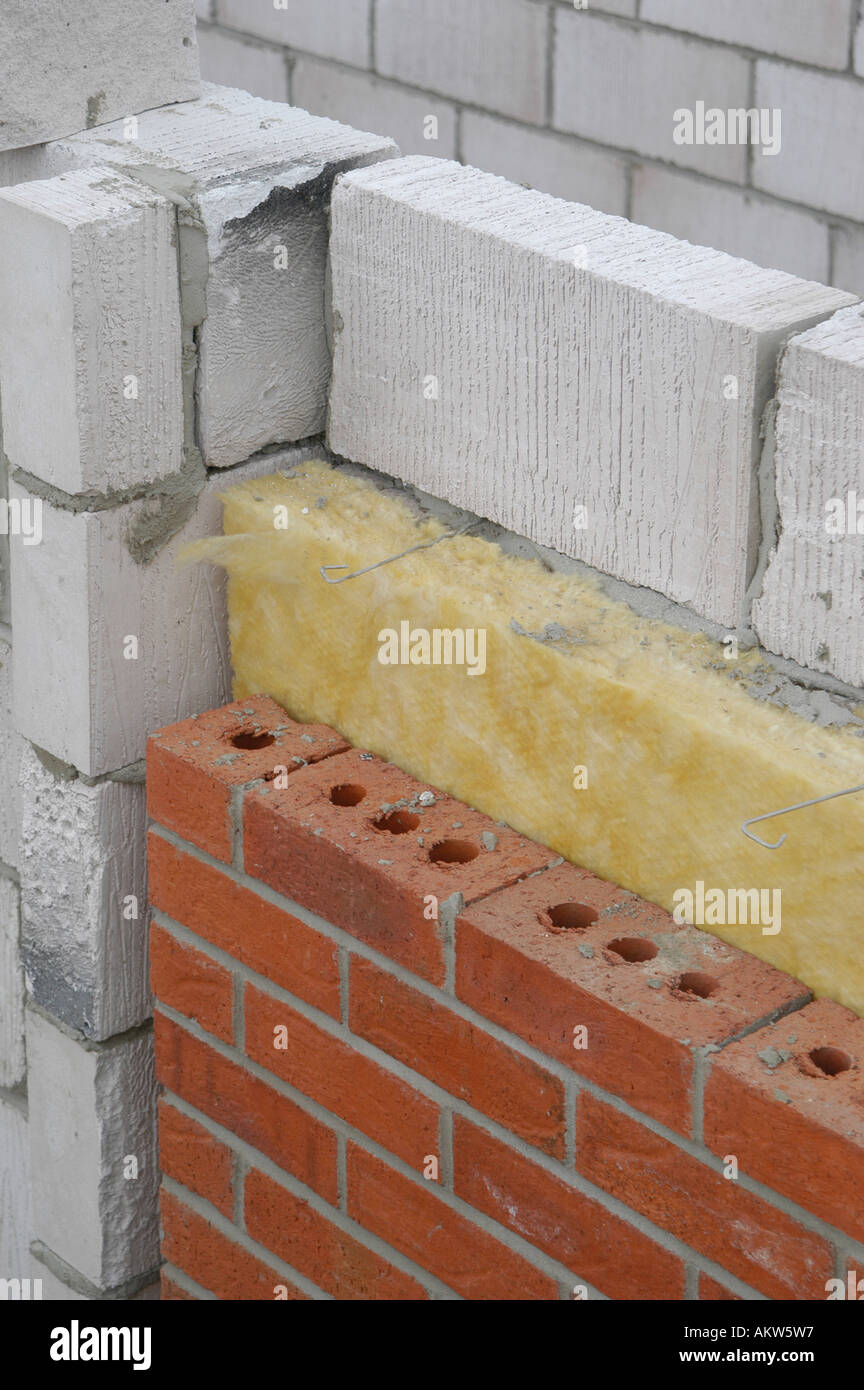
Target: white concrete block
90, 331
11, 749
552, 163
597, 61
365, 101
83, 592
62, 72
228, 59
822, 136
848, 272
84, 899
742, 223
92, 1127
329, 28
522, 357
12, 1058
811, 608
54, 1290
490, 53
790, 28
859, 48
15, 1223
251, 179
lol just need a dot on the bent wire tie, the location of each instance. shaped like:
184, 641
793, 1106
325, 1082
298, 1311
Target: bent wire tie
424, 545
797, 807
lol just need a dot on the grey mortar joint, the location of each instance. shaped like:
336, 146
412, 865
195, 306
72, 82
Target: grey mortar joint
66, 772
448, 911
89, 1044
165, 506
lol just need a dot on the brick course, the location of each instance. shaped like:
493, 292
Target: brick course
364, 1102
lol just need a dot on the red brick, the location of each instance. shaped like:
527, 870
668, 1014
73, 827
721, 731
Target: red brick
712, 1292
569, 1226
412, 1218
341, 1079
192, 766
259, 935
514, 968
714, 1215
314, 1246
191, 983
228, 1094
190, 1155
172, 1293
370, 882
458, 1056
790, 1125
218, 1264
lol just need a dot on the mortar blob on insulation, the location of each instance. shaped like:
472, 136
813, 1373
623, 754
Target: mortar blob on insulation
677, 752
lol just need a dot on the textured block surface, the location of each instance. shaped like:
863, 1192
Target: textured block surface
811, 605
84, 936
586, 349
91, 1112
90, 332
62, 73
251, 181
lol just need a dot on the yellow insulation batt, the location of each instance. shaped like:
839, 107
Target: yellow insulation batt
675, 752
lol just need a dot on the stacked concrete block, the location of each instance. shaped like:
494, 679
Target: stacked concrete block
64, 70
251, 182
797, 29
823, 130
90, 336
811, 604
83, 891
114, 633
92, 1121
437, 47
588, 383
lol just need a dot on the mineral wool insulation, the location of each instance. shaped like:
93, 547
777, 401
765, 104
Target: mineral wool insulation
629, 746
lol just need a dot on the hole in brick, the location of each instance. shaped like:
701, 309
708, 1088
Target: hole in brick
246, 739
698, 983
397, 822
453, 852
347, 794
830, 1060
634, 948
571, 916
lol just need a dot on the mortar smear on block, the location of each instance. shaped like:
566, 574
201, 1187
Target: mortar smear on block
676, 752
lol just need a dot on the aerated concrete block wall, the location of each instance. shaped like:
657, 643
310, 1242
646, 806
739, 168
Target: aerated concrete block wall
162, 332
578, 97
166, 328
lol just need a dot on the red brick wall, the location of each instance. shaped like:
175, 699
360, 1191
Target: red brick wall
408, 1054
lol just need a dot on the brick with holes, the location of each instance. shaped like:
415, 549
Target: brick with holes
788, 1101
376, 852
564, 952
192, 767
